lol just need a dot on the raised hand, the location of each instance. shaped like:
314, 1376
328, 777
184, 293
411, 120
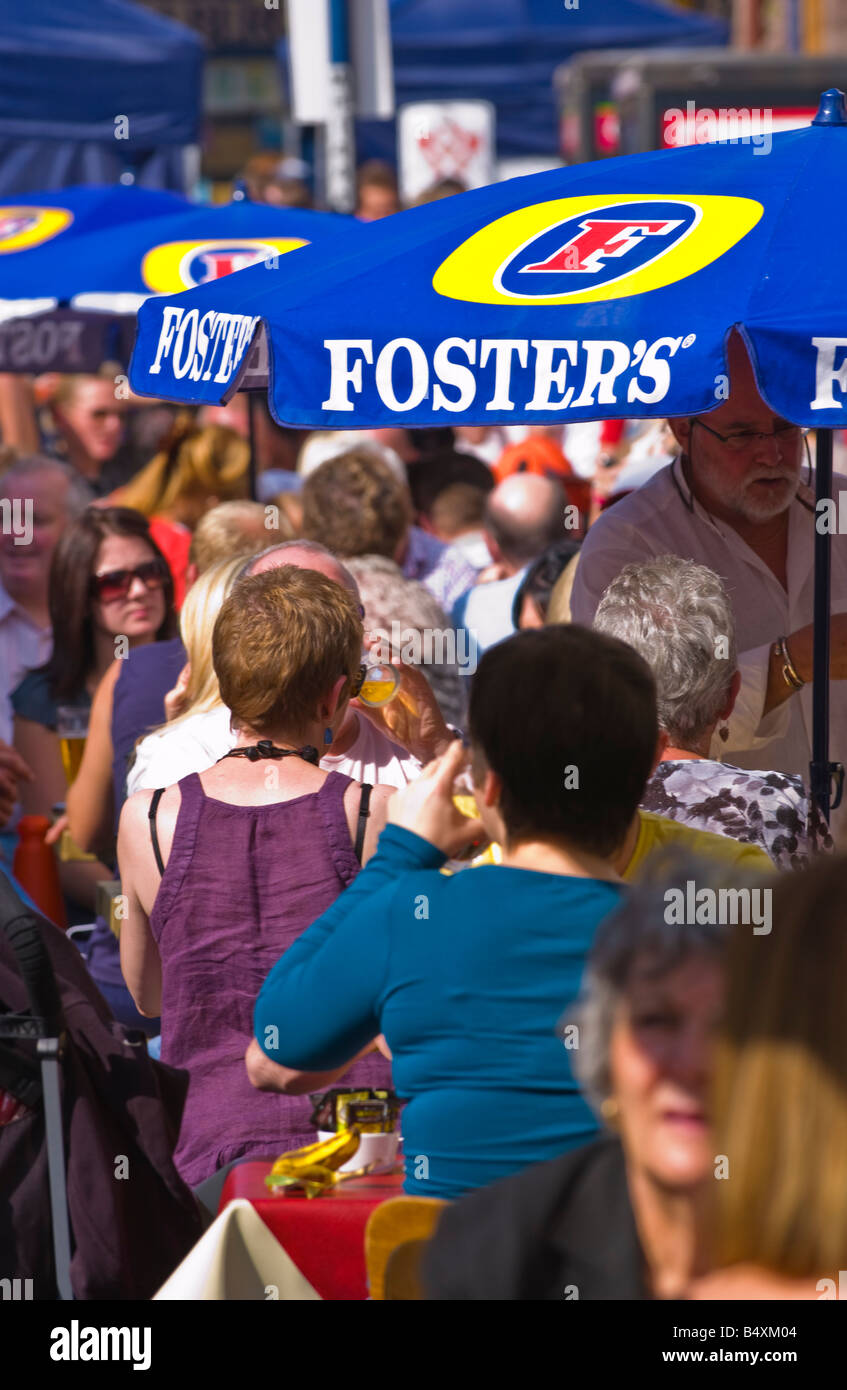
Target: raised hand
413, 718
426, 805
176, 699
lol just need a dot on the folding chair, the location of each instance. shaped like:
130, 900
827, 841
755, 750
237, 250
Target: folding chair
395, 1238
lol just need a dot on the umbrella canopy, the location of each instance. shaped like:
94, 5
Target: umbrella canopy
595, 291
590, 292
107, 249
37, 232
170, 247
34, 222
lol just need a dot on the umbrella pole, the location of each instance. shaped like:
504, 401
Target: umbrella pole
251, 435
820, 770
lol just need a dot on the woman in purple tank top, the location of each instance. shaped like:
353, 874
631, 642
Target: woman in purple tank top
222, 871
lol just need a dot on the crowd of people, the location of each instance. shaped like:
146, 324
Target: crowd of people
602, 640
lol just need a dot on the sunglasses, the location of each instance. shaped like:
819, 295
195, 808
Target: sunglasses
358, 681
115, 584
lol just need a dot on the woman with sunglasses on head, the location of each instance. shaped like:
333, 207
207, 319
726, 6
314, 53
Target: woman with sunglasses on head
110, 589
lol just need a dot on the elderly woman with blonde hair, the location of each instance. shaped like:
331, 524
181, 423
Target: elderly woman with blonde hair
224, 870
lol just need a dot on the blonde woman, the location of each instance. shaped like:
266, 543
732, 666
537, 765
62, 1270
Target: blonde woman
198, 720
780, 1100
195, 469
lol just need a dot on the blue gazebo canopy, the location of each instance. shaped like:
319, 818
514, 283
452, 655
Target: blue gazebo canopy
505, 52
68, 71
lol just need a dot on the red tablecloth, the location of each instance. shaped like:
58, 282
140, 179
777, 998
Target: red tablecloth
325, 1236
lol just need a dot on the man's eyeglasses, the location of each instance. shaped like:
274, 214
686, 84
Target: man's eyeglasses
740, 440
115, 584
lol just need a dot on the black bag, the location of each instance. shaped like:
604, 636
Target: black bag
107, 1114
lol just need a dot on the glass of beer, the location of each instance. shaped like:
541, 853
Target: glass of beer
380, 682
72, 728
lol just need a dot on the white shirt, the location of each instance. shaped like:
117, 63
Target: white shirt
374, 758
23, 647
194, 744
664, 518
472, 546
169, 754
485, 611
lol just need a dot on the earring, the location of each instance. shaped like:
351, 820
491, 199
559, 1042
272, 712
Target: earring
609, 1111
723, 731
328, 735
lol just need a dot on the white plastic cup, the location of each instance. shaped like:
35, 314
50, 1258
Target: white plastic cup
379, 1149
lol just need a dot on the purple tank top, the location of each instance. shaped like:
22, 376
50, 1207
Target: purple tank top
242, 883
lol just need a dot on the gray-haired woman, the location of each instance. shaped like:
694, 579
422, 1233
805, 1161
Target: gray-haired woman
402, 613
678, 616
622, 1217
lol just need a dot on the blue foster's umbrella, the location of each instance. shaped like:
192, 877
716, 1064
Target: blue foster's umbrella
38, 234
163, 254
80, 253
595, 291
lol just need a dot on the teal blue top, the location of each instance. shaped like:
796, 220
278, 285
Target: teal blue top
467, 977
33, 699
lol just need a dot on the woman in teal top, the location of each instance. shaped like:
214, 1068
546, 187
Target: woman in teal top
467, 975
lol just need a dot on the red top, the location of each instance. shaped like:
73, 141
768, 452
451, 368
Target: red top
174, 541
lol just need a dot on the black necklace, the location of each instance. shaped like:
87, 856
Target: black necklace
265, 749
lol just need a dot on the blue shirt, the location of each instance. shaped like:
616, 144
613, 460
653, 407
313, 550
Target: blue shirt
467, 977
138, 705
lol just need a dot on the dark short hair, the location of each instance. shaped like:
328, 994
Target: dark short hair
434, 472
542, 576
376, 173
564, 697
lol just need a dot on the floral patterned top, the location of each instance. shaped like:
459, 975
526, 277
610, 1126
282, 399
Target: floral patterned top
770, 809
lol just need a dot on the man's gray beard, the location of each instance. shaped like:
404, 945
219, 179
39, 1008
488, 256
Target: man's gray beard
754, 512
740, 501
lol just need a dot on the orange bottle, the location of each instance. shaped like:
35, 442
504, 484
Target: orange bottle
35, 868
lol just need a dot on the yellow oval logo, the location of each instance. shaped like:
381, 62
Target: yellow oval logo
180, 265
21, 228
588, 249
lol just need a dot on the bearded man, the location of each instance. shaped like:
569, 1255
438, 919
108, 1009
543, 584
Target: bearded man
734, 500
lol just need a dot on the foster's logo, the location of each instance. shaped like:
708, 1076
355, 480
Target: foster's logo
12, 224
586, 252
579, 250
22, 228
180, 265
